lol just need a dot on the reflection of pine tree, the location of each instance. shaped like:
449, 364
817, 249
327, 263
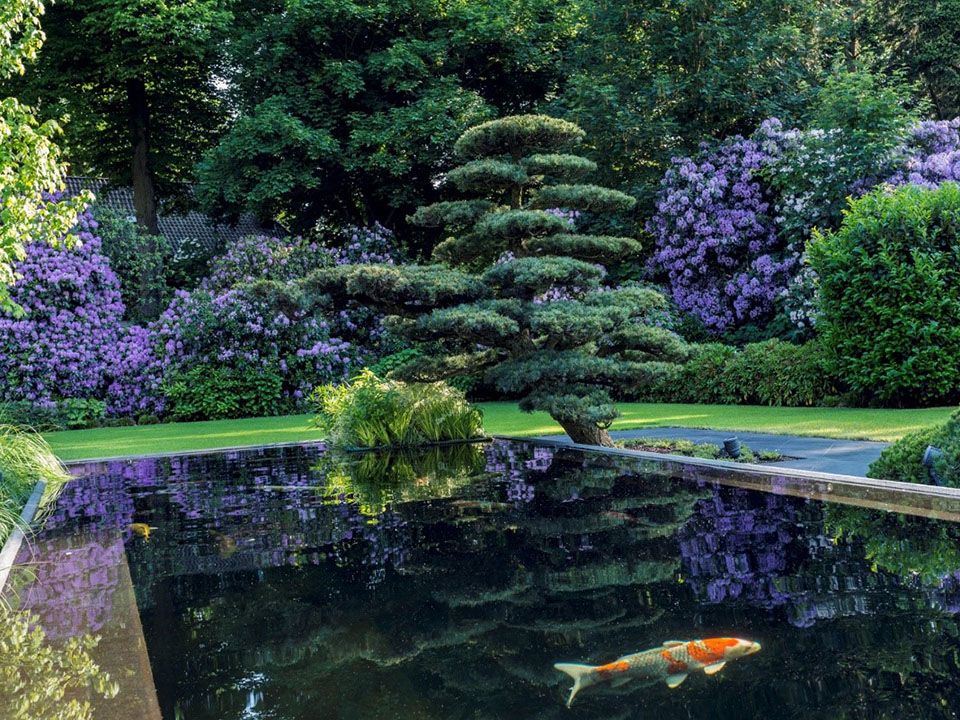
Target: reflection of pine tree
903, 545
495, 578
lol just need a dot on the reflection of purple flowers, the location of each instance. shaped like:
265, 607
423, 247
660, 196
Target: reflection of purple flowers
74, 585
513, 463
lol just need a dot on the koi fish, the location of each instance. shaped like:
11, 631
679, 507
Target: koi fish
673, 661
142, 529
226, 544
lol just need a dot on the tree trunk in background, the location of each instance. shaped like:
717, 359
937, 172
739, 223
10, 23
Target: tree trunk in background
144, 197
144, 194
586, 433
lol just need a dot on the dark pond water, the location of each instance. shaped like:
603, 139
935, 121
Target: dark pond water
289, 584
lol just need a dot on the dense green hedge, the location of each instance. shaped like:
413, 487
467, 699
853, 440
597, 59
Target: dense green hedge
889, 282
767, 373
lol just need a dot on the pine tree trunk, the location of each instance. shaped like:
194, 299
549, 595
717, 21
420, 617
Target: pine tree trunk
585, 433
144, 194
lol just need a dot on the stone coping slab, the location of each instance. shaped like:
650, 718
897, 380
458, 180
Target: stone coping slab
942, 503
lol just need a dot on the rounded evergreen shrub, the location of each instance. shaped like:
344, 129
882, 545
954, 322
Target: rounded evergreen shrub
889, 281
902, 461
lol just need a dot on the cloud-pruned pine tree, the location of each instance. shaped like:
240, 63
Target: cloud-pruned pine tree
515, 292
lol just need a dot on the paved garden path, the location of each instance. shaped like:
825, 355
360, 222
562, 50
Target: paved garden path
844, 457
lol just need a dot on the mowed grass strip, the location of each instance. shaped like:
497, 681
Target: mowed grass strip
504, 418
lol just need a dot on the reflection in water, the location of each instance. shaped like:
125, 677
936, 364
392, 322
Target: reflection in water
288, 584
41, 680
926, 550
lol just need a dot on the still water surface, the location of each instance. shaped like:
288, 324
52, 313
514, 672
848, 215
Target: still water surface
291, 585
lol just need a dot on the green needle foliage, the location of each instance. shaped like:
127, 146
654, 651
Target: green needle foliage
517, 295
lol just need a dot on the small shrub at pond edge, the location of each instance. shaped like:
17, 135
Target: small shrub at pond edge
903, 461
370, 412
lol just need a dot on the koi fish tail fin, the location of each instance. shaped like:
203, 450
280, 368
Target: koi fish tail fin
581, 677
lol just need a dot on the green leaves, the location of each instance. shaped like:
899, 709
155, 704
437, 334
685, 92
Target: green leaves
40, 679
29, 159
889, 282
374, 413
20, 34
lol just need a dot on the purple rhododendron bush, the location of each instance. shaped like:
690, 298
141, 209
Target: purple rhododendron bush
216, 351
731, 222
70, 341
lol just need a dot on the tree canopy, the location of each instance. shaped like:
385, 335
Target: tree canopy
29, 160
137, 80
348, 110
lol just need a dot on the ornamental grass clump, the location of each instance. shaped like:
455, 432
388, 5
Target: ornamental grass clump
25, 459
515, 293
373, 413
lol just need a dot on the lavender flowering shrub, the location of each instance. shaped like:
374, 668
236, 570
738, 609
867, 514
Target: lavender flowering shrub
930, 155
70, 342
215, 352
715, 236
732, 221
261, 257
226, 353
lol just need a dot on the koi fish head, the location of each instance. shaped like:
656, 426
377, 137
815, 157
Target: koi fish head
737, 648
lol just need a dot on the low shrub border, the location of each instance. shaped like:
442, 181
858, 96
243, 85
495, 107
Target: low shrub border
772, 373
689, 448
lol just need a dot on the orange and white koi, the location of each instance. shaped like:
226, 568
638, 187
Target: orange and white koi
673, 661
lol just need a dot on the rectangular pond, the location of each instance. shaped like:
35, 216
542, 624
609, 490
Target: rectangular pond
293, 584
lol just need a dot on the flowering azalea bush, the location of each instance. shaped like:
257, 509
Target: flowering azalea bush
732, 221
217, 351
930, 155
226, 353
715, 236
68, 342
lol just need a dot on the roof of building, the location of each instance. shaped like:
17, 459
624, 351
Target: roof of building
176, 227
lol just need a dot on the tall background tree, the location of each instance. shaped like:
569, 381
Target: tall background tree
29, 159
137, 80
348, 110
651, 80
527, 308
921, 40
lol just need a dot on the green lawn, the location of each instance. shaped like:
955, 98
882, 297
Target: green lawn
504, 418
